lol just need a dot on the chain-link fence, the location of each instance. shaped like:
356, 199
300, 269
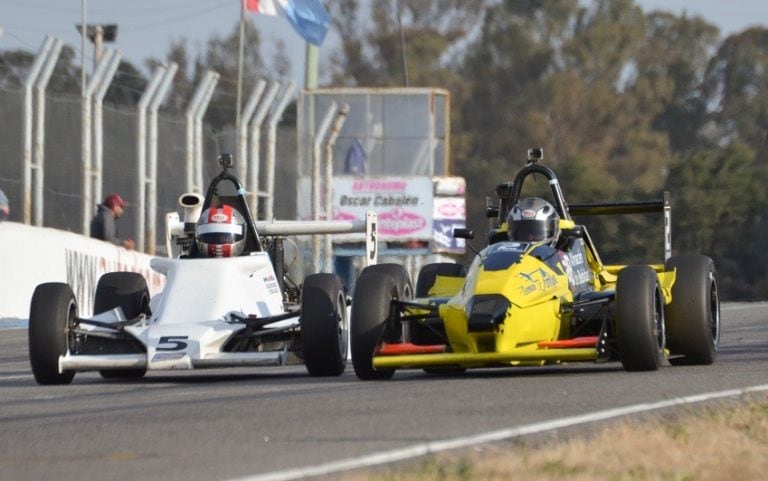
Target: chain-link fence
62, 184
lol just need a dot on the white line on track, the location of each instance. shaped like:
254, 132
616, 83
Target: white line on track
438, 446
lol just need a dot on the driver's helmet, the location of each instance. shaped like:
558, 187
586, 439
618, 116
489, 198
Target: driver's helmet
533, 220
220, 232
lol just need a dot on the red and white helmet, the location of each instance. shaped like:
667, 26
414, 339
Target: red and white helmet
220, 232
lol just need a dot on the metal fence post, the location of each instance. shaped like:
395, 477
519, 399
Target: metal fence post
254, 157
316, 161
242, 130
199, 145
341, 117
154, 104
29, 82
112, 59
39, 146
192, 107
141, 154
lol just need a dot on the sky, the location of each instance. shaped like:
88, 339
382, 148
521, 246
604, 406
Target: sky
146, 28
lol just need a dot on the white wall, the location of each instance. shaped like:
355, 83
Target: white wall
32, 255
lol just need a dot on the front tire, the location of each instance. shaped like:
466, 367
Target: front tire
640, 331
372, 322
127, 290
324, 325
52, 315
693, 316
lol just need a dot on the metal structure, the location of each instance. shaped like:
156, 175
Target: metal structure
194, 130
242, 128
317, 154
341, 117
274, 118
254, 157
112, 59
154, 105
141, 153
89, 174
38, 77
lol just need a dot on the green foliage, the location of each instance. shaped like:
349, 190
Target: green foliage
625, 103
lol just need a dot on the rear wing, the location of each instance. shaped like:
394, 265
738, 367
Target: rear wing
643, 207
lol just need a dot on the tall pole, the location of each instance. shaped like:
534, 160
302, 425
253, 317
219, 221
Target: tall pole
82, 48
310, 67
240, 76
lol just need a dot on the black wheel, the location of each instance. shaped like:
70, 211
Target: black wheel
127, 290
428, 274
324, 325
693, 316
372, 322
52, 315
396, 272
404, 292
639, 319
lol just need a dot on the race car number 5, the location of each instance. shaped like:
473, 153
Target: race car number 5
172, 343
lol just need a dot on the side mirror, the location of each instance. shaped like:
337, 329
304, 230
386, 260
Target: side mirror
463, 233
576, 232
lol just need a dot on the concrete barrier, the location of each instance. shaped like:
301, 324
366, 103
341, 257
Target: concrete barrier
32, 255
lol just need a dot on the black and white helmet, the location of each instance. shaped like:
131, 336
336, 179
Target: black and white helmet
533, 220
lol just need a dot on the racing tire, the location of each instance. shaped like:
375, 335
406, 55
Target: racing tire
693, 316
396, 272
428, 275
324, 325
371, 322
52, 315
404, 292
640, 332
127, 290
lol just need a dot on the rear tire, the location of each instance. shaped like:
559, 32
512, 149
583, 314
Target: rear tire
52, 315
127, 290
324, 325
372, 322
639, 319
428, 275
693, 316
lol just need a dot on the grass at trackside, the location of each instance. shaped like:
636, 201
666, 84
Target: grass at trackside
722, 441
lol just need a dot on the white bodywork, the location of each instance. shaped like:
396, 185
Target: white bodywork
192, 317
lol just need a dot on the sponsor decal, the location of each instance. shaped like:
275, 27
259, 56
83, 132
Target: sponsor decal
538, 280
219, 217
398, 222
529, 213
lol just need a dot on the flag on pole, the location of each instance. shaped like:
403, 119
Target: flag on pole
307, 17
263, 7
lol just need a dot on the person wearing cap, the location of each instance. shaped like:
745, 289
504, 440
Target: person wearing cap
5, 212
104, 223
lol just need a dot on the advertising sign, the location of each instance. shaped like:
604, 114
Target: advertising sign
448, 213
404, 205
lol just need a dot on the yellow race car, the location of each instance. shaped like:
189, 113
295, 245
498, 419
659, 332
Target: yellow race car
537, 294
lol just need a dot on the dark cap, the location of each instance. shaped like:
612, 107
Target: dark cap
113, 200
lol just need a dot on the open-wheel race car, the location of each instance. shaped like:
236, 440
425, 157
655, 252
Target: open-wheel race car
537, 294
227, 301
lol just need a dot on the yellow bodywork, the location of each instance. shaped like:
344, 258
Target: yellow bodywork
535, 292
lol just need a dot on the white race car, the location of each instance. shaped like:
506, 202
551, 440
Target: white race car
241, 310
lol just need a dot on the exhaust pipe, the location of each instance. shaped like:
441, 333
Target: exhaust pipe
192, 204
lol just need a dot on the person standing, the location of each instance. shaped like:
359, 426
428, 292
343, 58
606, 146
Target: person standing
104, 223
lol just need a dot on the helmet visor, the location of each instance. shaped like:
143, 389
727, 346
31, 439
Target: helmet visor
530, 231
218, 234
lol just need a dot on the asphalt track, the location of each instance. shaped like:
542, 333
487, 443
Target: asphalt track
278, 423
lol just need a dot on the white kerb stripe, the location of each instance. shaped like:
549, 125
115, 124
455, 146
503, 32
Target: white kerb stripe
438, 446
